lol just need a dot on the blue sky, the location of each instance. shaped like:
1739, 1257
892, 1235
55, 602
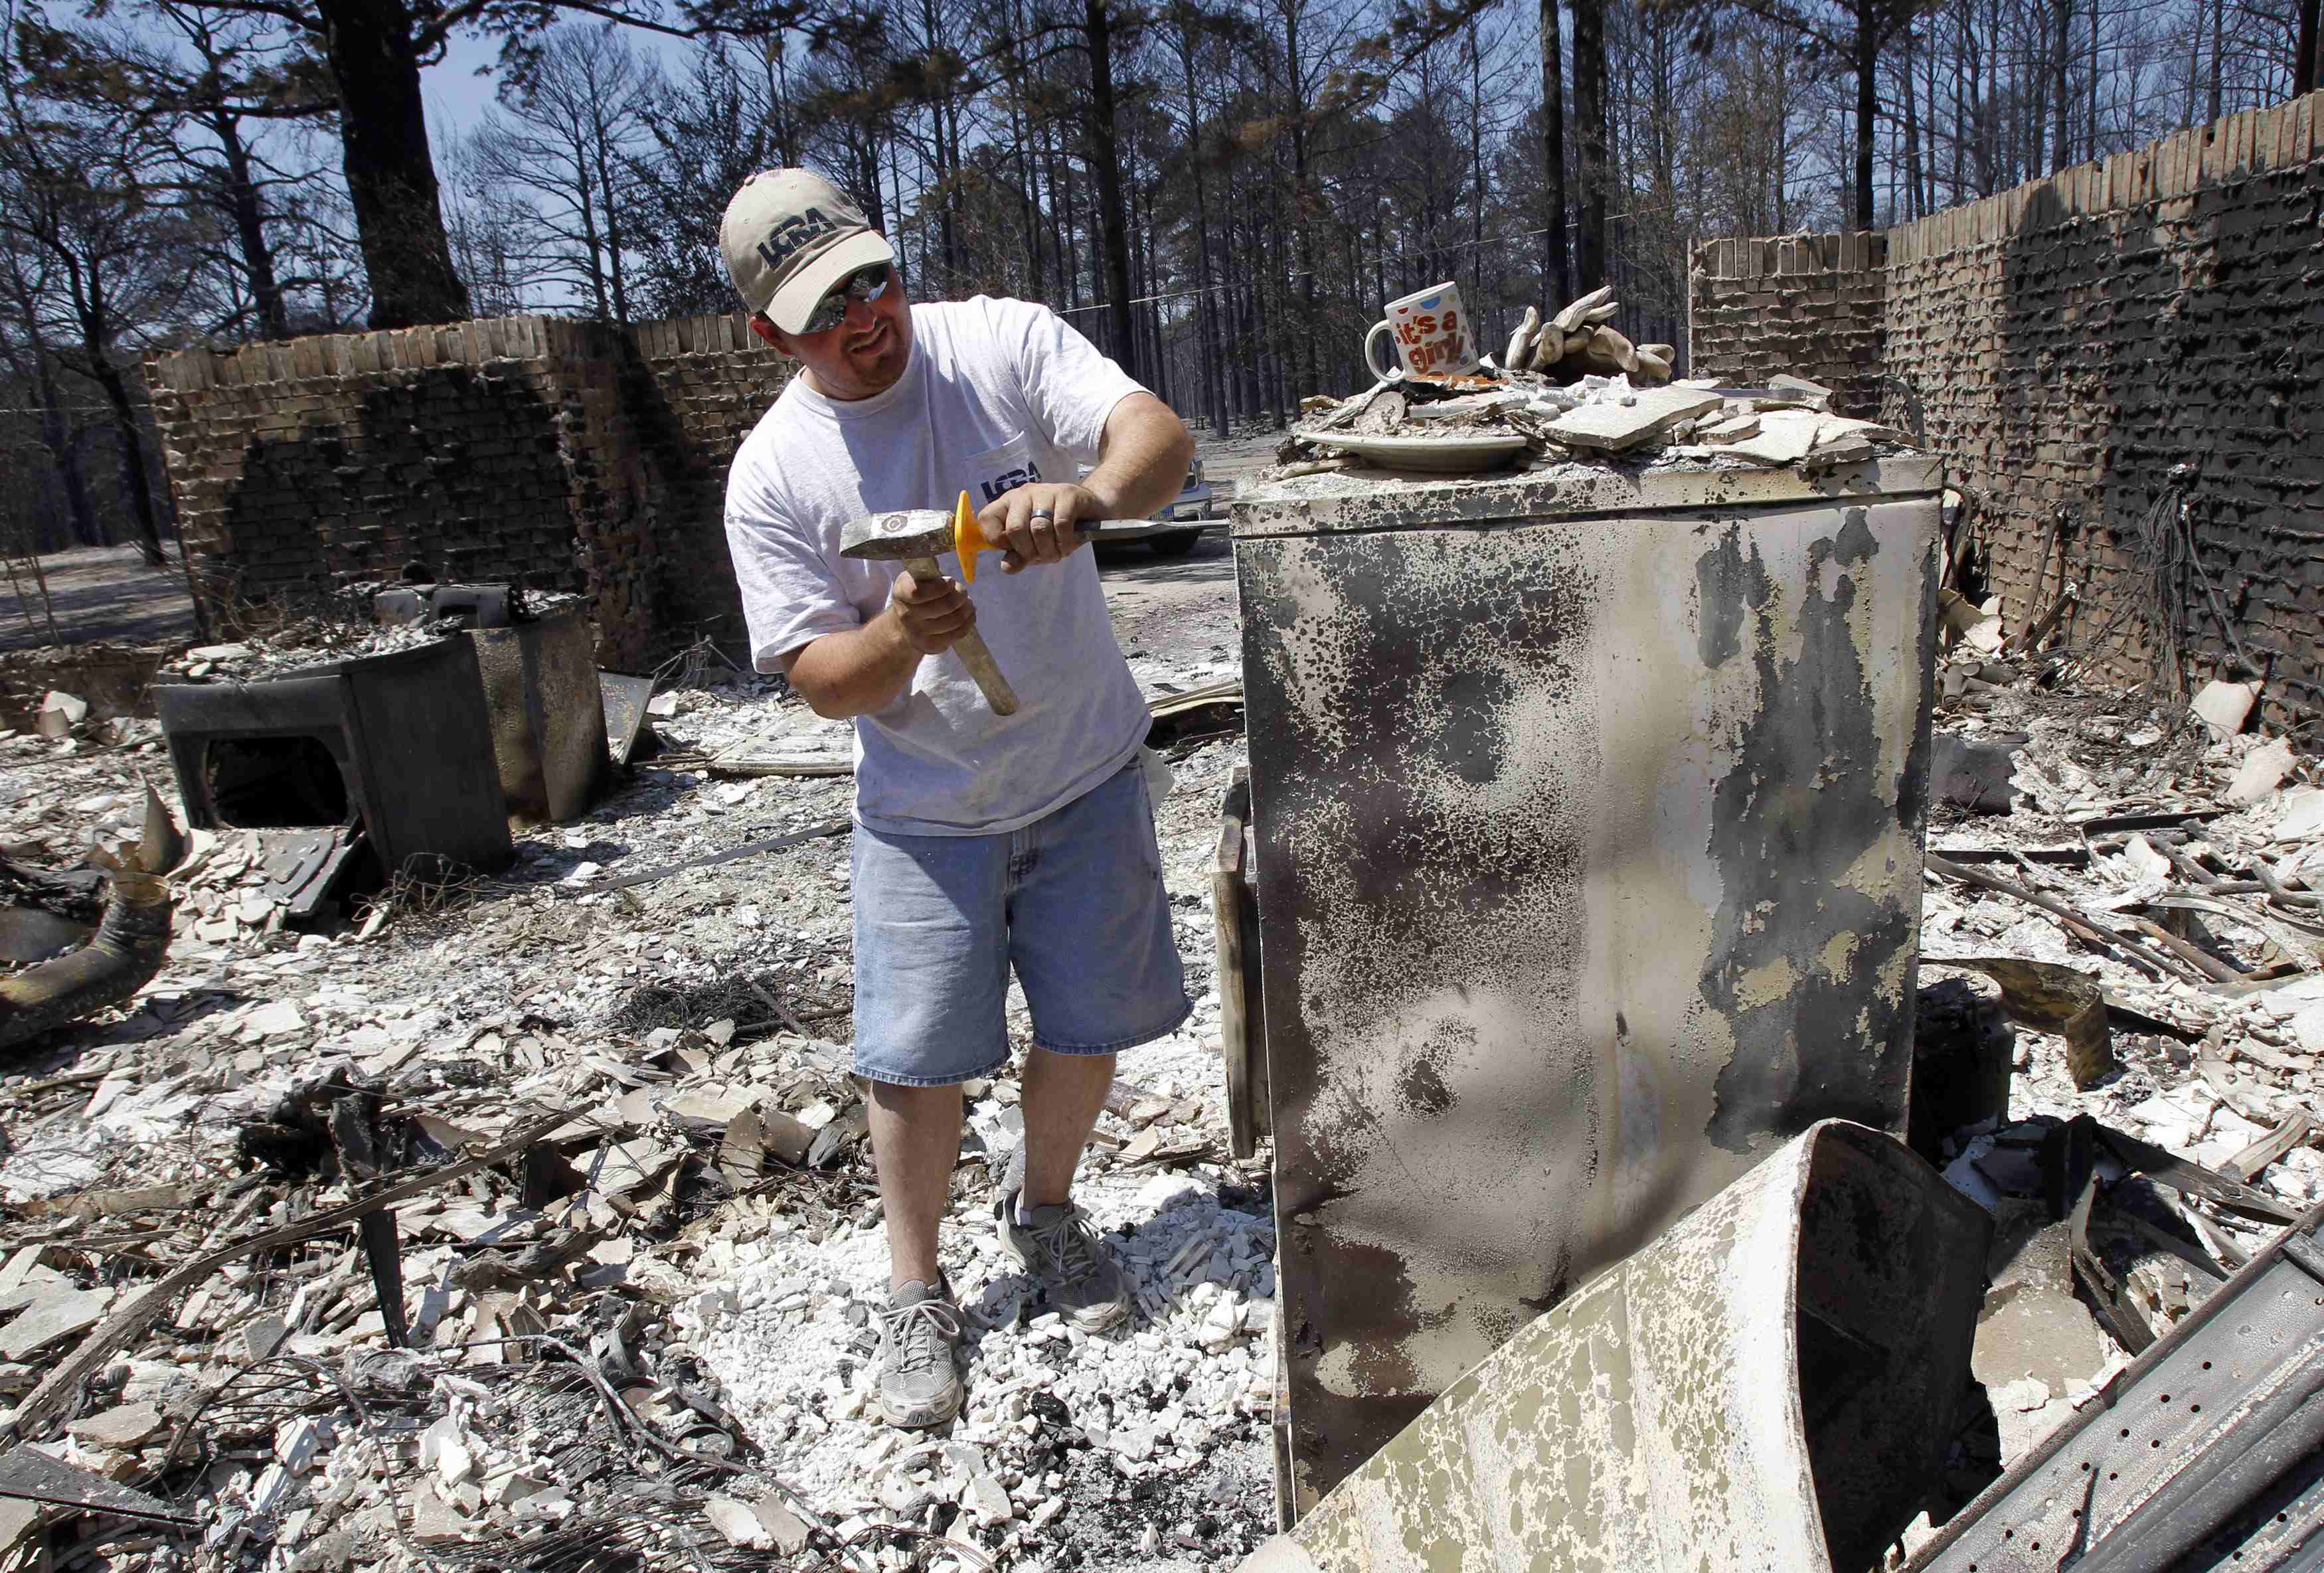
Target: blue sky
457, 97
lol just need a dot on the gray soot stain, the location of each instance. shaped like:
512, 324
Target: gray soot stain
1800, 806
1431, 652
1728, 588
1854, 544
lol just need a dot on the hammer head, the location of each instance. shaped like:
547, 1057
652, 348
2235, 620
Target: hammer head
909, 532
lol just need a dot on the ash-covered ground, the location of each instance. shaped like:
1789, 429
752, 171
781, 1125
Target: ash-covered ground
659, 1011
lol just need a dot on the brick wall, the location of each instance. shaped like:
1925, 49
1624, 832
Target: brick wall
562, 455
2064, 345
1809, 305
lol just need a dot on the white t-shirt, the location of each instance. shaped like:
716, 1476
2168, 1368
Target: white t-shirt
997, 393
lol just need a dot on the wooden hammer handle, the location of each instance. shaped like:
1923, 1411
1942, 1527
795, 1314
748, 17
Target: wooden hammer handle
971, 649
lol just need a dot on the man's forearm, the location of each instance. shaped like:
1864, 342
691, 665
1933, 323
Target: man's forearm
854, 673
1142, 460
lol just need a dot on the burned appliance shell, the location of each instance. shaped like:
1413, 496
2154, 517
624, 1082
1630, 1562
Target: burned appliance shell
548, 716
1587, 810
407, 730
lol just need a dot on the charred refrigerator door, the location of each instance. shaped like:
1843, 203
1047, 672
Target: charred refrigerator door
1586, 806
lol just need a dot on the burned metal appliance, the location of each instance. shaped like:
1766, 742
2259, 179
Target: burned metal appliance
385, 758
540, 690
548, 714
1587, 809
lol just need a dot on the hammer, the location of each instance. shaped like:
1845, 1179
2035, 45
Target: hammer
913, 536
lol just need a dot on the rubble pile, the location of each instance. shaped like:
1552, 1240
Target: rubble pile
363, 619
635, 1234
1696, 422
2137, 886
311, 641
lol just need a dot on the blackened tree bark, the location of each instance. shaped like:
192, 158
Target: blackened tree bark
64, 448
248, 213
1186, 19
2061, 57
1868, 103
391, 176
1913, 208
1105, 163
134, 477
1590, 127
1557, 279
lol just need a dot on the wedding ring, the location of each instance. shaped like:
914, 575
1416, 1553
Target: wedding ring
1043, 514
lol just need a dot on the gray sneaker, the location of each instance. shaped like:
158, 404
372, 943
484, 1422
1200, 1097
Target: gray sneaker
919, 1383
1062, 1252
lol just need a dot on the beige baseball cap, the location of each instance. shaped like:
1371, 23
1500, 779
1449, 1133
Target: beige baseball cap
789, 238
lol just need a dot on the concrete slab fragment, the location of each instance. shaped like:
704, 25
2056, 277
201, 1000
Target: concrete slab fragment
1786, 437
56, 1315
1615, 427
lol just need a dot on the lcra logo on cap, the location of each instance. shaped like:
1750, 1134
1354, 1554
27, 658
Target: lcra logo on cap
782, 242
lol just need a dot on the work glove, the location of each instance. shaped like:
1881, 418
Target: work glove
1582, 341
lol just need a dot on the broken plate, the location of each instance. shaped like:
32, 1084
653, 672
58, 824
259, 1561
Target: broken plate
1449, 453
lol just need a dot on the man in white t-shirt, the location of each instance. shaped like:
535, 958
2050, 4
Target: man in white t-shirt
983, 843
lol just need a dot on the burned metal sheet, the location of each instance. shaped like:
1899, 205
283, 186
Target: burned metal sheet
624, 699
547, 701
301, 866
1589, 862
1770, 1384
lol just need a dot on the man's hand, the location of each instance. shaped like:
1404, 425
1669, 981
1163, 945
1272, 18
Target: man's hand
932, 615
1036, 522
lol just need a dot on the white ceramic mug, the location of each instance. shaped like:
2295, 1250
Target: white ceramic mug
1429, 331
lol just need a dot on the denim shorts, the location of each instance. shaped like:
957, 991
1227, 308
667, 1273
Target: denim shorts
1073, 901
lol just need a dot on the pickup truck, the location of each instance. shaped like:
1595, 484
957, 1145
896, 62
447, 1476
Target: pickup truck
1192, 505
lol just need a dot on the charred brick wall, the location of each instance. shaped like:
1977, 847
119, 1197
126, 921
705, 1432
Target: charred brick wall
561, 455
2123, 346
1811, 305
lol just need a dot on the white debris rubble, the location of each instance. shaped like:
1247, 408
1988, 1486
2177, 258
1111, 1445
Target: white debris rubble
697, 1021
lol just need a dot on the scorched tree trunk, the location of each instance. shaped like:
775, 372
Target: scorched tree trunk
391, 177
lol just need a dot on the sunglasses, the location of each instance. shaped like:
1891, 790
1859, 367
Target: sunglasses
865, 284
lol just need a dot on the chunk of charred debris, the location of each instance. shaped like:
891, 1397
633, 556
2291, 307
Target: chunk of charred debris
1976, 774
1962, 1050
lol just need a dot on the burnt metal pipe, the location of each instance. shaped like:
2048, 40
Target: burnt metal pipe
119, 958
126, 951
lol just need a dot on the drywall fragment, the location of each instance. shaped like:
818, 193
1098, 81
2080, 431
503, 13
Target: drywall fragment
1786, 437
2261, 773
58, 1314
1614, 427
1814, 394
2224, 706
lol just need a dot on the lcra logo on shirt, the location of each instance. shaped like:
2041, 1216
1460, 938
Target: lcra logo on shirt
1009, 481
